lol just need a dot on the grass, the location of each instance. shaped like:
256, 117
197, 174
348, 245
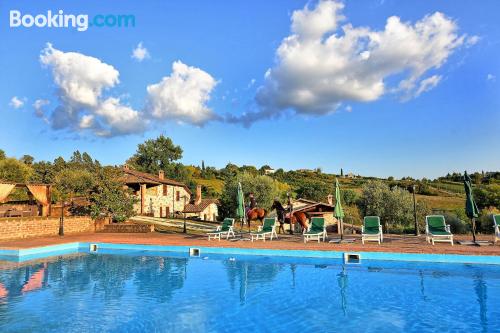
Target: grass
215, 185
442, 202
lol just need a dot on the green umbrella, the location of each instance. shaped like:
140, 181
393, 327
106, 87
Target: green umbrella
240, 210
470, 204
339, 212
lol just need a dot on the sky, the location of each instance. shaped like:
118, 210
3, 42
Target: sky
378, 88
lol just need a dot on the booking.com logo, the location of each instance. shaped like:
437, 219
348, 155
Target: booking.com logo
61, 20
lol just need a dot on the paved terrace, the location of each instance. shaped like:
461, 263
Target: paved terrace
392, 243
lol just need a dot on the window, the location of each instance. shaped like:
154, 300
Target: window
178, 196
165, 189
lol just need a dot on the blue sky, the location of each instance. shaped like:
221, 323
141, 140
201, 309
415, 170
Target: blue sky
381, 108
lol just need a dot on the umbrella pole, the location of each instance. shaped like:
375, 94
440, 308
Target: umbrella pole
473, 230
341, 226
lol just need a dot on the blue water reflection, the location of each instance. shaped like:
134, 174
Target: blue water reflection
137, 292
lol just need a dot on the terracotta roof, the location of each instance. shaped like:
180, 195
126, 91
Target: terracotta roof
192, 208
133, 176
305, 204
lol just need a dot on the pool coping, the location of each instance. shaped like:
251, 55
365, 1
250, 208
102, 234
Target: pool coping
21, 255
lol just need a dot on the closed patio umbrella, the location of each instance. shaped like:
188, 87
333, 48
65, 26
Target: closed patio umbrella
471, 209
339, 212
240, 210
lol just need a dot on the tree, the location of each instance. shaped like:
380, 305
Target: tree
393, 206
27, 159
341, 172
73, 182
43, 172
14, 170
264, 188
349, 196
109, 198
230, 171
2, 154
487, 196
313, 189
203, 169
155, 154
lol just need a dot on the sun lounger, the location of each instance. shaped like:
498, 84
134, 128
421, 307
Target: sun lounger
371, 230
437, 230
225, 229
496, 225
268, 229
317, 230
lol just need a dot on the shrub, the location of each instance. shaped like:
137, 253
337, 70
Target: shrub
393, 206
457, 225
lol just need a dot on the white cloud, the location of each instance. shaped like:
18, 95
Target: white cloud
428, 84
81, 81
81, 78
39, 106
322, 64
16, 102
491, 77
471, 40
251, 83
140, 53
182, 96
120, 118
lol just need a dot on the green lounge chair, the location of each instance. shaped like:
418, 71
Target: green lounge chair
269, 228
496, 225
226, 228
371, 230
316, 230
437, 230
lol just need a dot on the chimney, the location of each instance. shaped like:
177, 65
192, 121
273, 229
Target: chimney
329, 199
161, 174
197, 200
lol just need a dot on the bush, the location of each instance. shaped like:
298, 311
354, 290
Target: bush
484, 224
457, 225
349, 197
393, 206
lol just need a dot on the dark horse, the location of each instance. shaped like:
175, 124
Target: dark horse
256, 214
299, 217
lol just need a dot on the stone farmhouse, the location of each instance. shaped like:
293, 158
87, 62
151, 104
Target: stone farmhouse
203, 209
157, 196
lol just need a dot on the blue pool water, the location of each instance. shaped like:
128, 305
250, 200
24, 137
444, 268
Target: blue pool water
126, 291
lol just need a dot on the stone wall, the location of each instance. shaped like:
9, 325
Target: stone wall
16, 228
211, 213
155, 202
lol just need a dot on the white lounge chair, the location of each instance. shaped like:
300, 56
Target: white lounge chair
225, 229
268, 229
496, 225
437, 230
371, 230
316, 230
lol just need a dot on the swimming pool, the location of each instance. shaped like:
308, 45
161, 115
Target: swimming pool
146, 291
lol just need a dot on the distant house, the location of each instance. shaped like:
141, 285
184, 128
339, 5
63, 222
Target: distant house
269, 171
204, 209
157, 196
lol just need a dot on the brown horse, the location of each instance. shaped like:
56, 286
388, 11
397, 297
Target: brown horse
256, 214
299, 217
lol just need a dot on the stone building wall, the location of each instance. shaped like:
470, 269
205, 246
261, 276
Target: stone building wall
156, 203
211, 213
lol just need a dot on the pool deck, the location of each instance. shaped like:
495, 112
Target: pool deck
392, 243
